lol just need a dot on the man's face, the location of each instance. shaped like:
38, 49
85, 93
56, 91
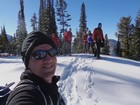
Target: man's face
44, 68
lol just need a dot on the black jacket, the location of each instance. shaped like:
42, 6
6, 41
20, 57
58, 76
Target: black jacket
30, 93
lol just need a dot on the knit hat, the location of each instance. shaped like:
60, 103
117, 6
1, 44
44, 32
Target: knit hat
99, 24
31, 41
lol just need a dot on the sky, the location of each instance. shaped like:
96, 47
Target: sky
86, 80
108, 12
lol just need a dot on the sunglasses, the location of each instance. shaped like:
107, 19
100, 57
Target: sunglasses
41, 54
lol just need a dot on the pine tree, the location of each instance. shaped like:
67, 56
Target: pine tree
63, 16
13, 45
75, 43
53, 19
47, 23
135, 47
50, 18
83, 24
21, 32
118, 48
83, 28
34, 22
4, 41
42, 18
123, 32
105, 49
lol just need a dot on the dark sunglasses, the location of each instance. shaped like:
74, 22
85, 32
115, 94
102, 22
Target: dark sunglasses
41, 54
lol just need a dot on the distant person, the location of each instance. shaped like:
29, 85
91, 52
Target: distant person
37, 84
67, 42
98, 39
90, 42
55, 39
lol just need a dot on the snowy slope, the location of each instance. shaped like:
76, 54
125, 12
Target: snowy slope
87, 81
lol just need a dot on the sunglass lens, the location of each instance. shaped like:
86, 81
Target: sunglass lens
52, 52
40, 54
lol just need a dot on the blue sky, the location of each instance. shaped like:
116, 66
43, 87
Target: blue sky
108, 12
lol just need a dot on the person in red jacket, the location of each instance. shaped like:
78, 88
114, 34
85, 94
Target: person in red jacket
98, 38
55, 39
67, 42
68, 36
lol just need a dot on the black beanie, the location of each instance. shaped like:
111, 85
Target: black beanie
31, 41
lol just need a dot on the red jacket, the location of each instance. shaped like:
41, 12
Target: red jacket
68, 36
97, 34
55, 40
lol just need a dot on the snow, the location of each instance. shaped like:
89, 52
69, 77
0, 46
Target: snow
86, 80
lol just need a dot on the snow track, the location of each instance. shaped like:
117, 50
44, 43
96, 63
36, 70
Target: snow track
74, 91
86, 80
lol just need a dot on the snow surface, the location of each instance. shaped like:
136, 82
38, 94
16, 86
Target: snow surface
86, 80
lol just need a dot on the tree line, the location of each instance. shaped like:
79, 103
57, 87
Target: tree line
44, 22
128, 34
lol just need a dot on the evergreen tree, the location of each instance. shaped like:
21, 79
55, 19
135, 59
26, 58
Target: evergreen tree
63, 16
13, 45
21, 32
83, 24
74, 47
1, 43
135, 47
123, 32
118, 48
54, 26
42, 16
50, 18
105, 49
47, 23
83, 28
4, 41
34, 22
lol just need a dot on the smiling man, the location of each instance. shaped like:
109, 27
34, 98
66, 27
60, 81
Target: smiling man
37, 84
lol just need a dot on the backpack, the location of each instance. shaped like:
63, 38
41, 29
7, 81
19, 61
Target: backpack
4, 92
98, 34
24, 83
89, 39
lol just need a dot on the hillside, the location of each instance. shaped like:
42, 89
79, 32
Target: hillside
86, 80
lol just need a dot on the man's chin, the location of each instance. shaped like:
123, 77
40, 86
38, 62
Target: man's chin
48, 76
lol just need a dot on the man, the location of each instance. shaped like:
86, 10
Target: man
67, 42
37, 84
98, 39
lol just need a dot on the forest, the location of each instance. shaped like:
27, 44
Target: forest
52, 14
